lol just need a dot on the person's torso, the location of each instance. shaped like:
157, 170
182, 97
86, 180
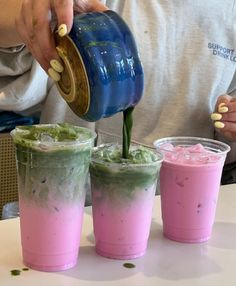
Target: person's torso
188, 51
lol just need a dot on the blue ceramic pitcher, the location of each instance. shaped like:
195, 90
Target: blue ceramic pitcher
103, 74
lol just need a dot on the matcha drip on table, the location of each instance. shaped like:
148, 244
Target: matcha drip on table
127, 128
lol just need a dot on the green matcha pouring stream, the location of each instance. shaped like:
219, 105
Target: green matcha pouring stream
127, 128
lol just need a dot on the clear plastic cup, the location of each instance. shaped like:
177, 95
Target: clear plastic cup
189, 184
122, 200
52, 164
10, 210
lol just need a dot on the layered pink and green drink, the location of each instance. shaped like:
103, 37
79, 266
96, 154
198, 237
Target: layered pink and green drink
189, 184
53, 162
123, 192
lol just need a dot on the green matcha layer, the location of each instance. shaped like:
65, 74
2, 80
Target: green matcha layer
112, 172
56, 167
48, 137
59, 175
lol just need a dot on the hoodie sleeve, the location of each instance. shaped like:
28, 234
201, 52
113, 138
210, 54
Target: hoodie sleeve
23, 83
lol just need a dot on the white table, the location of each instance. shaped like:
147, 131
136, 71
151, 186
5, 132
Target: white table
165, 263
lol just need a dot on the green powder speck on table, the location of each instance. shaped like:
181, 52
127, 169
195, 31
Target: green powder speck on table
15, 272
129, 265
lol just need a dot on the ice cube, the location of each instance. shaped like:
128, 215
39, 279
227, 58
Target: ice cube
167, 147
215, 158
45, 137
197, 148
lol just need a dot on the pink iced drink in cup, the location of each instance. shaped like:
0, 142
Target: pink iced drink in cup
189, 184
123, 192
52, 162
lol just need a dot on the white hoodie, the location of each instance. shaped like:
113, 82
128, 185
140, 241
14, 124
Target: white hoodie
23, 83
188, 51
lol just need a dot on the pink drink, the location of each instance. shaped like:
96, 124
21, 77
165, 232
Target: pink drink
52, 162
50, 235
121, 227
122, 201
189, 184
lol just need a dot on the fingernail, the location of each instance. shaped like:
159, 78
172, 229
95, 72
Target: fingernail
221, 104
223, 109
57, 66
54, 75
62, 30
216, 116
219, 124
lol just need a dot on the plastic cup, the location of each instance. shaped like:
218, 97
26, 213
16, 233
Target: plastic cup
10, 210
122, 202
52, 164
189, 184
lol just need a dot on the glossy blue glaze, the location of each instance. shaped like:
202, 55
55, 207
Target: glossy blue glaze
111, 60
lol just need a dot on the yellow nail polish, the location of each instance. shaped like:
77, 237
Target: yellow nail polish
223, 109
216, 116
53, 74
56, 65
221, 104
62, 30
219, 124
